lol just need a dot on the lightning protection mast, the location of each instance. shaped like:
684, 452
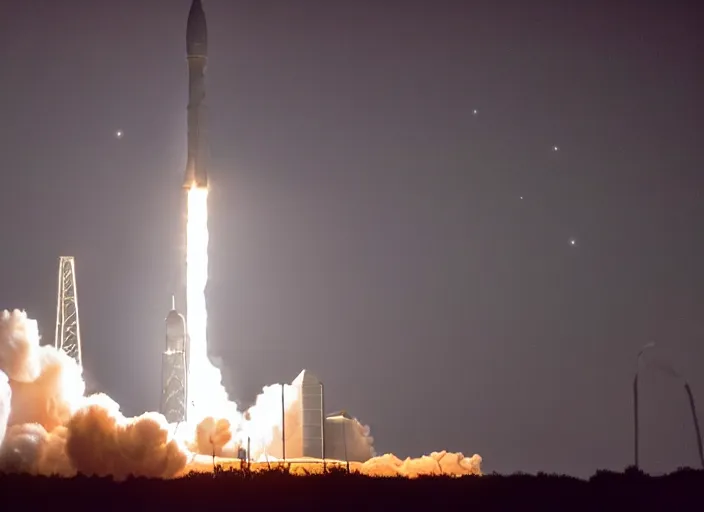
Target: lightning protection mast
68, 330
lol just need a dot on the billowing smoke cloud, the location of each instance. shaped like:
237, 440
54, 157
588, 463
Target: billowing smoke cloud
263, 426
17, 351
54, 429
103, 442
53, 396
213, 436
29, 448
49, 427
358, 440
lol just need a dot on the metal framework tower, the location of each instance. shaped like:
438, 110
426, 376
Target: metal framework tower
173, 368
68, 329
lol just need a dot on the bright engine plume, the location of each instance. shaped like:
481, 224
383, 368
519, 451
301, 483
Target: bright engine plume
206, 395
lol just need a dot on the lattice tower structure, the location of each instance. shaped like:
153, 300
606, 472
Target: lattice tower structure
68, 327
173, 368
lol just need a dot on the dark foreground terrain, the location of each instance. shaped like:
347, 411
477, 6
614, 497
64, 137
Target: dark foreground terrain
683, 490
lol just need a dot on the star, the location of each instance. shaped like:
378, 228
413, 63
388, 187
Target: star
573, 242
555, 148
119, 134
475, 112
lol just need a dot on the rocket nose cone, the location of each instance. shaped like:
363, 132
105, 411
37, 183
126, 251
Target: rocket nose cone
197, 31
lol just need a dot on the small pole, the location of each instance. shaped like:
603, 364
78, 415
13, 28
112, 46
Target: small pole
635, 403
635, 419
214, 467
249, 457
322, 427
266, 456
344, 438
283, 424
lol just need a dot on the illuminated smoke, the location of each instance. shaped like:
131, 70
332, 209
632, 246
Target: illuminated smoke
53, 396
102, 441
29, 448
264, 422
53, 429
18, 355
437, 463
357, 439
212, 436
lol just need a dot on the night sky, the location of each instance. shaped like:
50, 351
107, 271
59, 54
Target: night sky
366, 223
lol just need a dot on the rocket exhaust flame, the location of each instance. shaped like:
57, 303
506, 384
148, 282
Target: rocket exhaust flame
206, 395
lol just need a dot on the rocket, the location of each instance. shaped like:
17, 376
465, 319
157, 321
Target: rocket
197, 57
175, 359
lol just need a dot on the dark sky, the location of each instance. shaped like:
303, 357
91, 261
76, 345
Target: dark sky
365, 224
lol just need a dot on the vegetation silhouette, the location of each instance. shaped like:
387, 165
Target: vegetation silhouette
343, 490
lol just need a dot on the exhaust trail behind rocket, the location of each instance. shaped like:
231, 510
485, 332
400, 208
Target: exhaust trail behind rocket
197, 56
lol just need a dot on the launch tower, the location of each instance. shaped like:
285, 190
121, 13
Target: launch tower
173, 368
68, 329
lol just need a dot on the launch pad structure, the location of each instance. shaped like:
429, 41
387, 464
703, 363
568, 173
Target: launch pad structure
174, 369
68, 327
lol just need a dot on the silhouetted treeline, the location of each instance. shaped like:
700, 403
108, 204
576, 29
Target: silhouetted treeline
338, 490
